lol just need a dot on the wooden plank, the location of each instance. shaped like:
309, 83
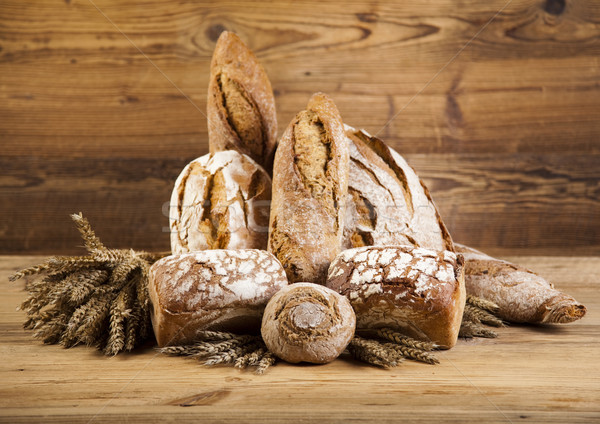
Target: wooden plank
88, 123
530, 373
534, 72
501, 200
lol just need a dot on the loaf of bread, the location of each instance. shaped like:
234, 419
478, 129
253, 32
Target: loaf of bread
220, 201
387, 202
241, 108
225, 290
310, 184
521, 295
306, 322
418, 292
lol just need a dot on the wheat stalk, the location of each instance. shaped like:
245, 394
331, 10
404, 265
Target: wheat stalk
99, 300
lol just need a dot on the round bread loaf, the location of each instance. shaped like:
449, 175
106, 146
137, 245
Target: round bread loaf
419, 292
220, 201
224, 290
388, 204
306, 322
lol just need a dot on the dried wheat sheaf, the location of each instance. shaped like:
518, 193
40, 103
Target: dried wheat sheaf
98, 300
387, 348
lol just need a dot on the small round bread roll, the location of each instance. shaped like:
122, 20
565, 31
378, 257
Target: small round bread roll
306, 322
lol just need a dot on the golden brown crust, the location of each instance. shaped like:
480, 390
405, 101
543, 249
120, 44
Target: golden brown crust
388, 203
307, 322
220, 201
310, 178
419, 292
224, 290
521, 295
241, 107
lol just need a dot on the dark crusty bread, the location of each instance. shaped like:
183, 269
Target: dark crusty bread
224, 290
241, 107
220, 201
387, 203
521, 295
306, 322
310, 179
416, 291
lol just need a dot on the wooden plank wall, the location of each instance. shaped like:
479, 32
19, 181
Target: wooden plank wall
102, 103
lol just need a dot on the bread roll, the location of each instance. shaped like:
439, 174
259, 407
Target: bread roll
220, 201
306, 322
416, 291
387, 202
225, 290
521, 295
241, 108
310, 183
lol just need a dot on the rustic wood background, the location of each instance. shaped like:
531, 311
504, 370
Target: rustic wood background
102, 104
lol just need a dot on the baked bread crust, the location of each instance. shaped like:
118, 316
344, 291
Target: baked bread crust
220, 201
416, 291
310, 182
224, 290
521, 295
388, 204
306, 322
241, 107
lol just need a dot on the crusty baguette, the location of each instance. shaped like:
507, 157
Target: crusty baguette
418, 292
241, 107
220, 201
521, 295
387, 202
310, 183
225, 290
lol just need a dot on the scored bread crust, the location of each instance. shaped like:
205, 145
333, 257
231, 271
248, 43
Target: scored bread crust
241, 107
310, 183
418, 292
224, 290
521, 295
220, 201
388, 204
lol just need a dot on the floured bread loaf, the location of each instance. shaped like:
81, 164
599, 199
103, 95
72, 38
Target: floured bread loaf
224, 290
241, 107
310, 183
306, 322
416, 291
387, 202
521, 295
220, 201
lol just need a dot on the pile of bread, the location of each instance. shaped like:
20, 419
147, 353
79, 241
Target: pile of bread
311, 237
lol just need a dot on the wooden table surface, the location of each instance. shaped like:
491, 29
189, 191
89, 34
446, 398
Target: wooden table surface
528, 374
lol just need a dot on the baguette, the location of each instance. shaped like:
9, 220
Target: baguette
310, 183
241, 107
521, 295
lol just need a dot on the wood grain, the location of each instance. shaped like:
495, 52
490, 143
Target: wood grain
100, 107
537, 374
517, 200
